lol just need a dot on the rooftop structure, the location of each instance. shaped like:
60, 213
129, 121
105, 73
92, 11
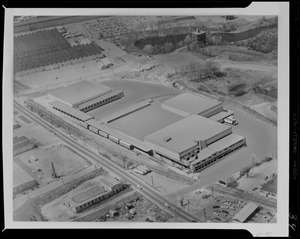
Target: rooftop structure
67, 110
225, 142
79, 93
246, 212
184, 134
188, 103
126, 111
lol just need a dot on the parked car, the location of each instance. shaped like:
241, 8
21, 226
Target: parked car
216, 206
139, 186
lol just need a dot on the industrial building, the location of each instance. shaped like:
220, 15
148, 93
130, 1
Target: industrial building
188, 103
194, 139
85, 95
94, 193
199, 36
246, 213
269, 189
194, 142
22, 181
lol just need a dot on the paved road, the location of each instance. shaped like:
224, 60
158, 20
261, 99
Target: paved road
147, 191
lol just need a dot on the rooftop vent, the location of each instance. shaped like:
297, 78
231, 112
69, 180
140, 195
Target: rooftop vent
167, 139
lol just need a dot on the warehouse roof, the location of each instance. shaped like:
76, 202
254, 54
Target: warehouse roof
20, 176
183, 133
108, 181
191, 103
79, 92
270, 186
225, 142
100, 98
69, 110
126, 111
246, 212
88, 194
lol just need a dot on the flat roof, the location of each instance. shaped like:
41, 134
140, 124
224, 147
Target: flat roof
204, 153
76, 113
191, 103
221, 115
20, 176
184, 132
270, 186
245, 212
79, 92
126, 111
19, 139
100, 98
108, 181
88, 194
225, 142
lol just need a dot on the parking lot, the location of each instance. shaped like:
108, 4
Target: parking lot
223, 209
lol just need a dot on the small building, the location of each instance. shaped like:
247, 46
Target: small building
269, 189
94, 193
199, 36
22, 181
246, 213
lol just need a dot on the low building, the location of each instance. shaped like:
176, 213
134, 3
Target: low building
22, 144
199, 36
269, 189
22, 181
246, 212
93, 194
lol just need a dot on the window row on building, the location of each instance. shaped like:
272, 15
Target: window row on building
216, 156
101, 102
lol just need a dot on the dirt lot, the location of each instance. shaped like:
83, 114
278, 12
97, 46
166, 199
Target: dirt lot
65, 162
258, 176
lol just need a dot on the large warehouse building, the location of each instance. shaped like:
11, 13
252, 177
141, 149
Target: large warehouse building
85, 95
196, 139
194, 142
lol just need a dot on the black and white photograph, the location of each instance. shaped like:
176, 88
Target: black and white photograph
148, 118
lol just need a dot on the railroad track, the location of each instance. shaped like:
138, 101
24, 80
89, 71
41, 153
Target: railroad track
147, 190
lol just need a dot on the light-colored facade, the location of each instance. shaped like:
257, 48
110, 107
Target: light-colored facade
106, 188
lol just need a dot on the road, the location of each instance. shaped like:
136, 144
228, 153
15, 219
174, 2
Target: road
146, 190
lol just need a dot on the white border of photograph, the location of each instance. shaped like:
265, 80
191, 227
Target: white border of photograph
278, 8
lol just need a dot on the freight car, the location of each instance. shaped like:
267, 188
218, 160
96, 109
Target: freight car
93, 129
125, 144
103, 134
114, 139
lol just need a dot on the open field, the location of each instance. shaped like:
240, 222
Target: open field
65, 162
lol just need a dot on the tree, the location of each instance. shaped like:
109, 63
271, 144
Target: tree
168, 46
212, 67
188, 39
245, 170
232, 183
148, 49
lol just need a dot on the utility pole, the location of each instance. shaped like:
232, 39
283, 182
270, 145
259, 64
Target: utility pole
27, 195
212, 191
62, 179
188, 204
204, 213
